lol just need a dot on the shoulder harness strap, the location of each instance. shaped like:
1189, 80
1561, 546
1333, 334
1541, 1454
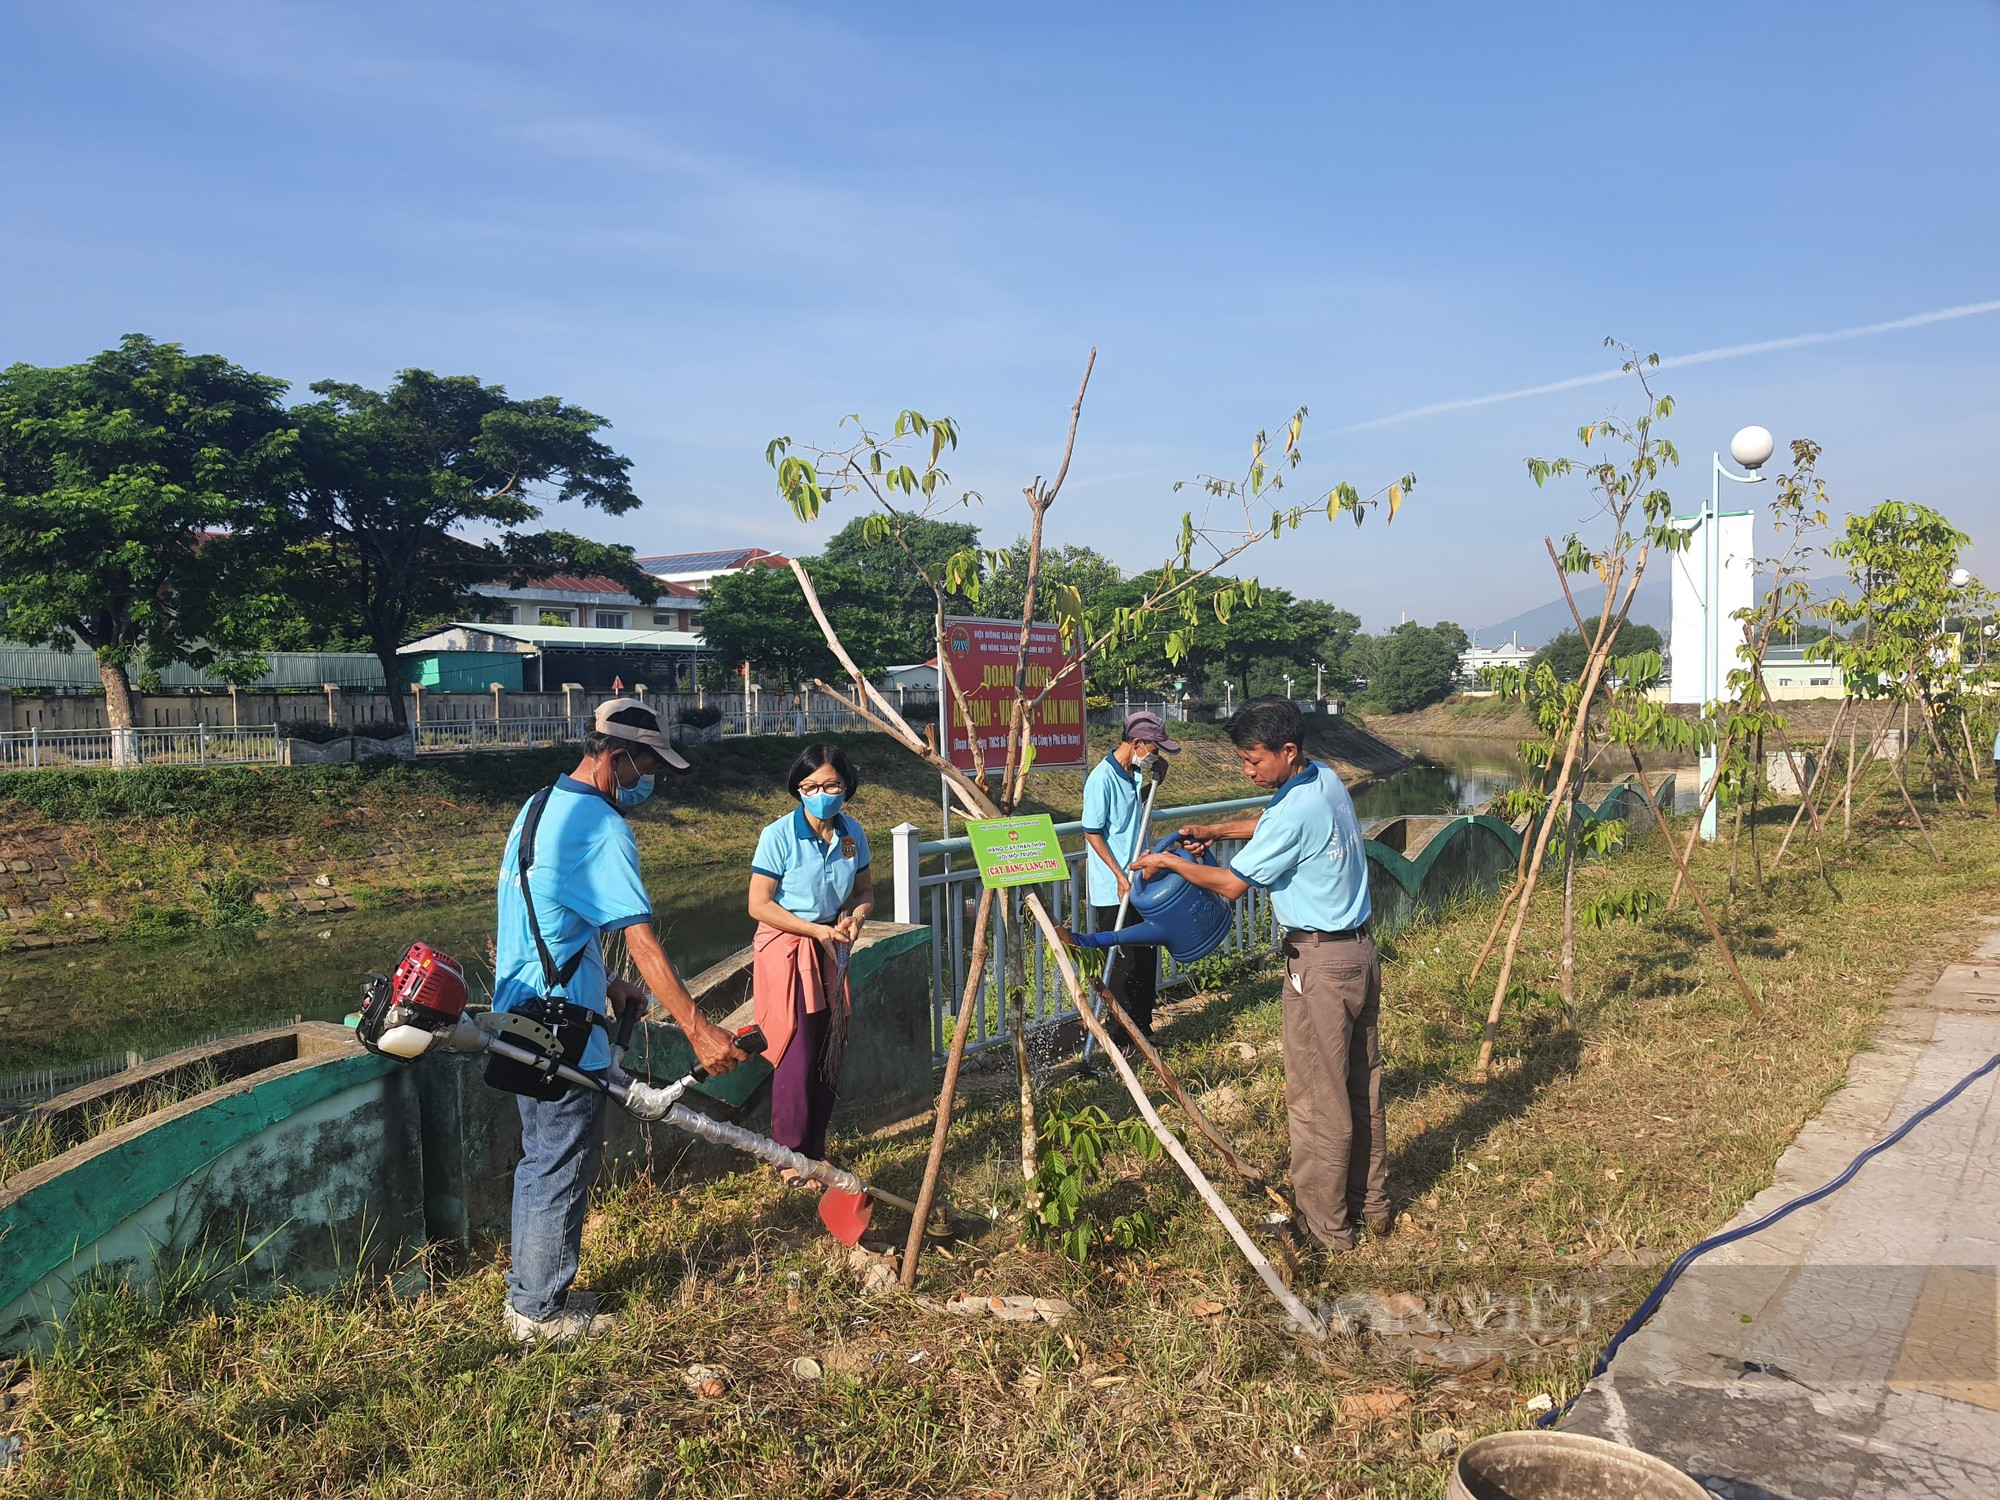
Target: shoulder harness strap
552, 977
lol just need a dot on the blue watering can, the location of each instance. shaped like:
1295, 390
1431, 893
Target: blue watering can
1187, 921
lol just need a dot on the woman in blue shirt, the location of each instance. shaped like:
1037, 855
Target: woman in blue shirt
810, 891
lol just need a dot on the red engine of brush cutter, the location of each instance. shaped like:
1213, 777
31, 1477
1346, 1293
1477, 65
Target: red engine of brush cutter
403, 1013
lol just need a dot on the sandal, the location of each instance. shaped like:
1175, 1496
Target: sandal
792, 1179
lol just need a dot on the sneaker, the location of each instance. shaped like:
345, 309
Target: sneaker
580, 1300
570, 1326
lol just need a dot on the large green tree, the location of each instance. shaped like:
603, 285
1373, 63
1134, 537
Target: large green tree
389, 484
1093, 575
126, 483
760, 616
1565, 655
1415, 665
897, 568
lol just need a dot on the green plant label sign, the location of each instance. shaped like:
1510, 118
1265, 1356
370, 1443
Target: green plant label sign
1017, 851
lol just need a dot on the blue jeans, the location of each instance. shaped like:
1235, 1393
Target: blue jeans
562, 1141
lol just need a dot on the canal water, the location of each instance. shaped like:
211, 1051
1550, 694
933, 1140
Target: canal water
103, 1001
1450, 776
92, 1001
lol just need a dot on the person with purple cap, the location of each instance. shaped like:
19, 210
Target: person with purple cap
1115, 833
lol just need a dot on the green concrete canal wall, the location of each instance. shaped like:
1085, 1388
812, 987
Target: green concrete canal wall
1418, 865
313, 1160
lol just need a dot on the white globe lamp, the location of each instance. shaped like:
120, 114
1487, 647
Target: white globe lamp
1752, 447
1960, 578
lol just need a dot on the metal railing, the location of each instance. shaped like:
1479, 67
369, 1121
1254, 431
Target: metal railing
210, 745
463, 735
116, 749
945, 897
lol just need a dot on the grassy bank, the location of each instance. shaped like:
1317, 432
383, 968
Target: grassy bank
164, 851
200, 901
1476, 718
1609, 1139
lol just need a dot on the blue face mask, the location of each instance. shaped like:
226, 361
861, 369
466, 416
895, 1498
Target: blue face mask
629, 797
823, 805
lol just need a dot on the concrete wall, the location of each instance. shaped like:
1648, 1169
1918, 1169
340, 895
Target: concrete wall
1419, 865
348, 748
314, 1159
304, 1172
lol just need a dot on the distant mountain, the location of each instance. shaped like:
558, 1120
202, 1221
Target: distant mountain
1537, 627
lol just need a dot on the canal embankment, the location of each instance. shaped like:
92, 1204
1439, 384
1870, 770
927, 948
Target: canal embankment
142, 910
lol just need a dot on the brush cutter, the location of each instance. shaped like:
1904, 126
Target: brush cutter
422, 1008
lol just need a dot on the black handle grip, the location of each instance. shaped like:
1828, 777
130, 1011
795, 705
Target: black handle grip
750, 1040
627, 1023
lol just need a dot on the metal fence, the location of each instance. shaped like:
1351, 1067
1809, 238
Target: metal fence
462, 735
116, 749
1123, 705
932, 892
207, 745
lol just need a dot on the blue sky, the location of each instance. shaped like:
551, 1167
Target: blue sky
718, 223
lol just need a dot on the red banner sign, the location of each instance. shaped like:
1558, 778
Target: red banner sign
980, 654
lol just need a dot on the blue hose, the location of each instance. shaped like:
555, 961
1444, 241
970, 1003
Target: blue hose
1658, 1294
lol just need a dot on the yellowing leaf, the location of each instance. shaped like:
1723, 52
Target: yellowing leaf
1395, 500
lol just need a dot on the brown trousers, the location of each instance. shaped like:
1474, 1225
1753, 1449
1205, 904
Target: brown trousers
1333, 1085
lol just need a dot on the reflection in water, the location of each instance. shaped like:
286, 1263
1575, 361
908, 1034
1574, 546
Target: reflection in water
151, 998
1449, 776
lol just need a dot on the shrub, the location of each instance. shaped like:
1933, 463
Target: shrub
702, 716
313, 731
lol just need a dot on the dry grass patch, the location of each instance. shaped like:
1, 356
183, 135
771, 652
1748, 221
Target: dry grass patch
1529, 1209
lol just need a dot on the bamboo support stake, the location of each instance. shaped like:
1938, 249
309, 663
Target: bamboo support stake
1896, 765
1015, 995
1301, 1316
968, 1004
1847, 795
1592, 672
1809, 794
1569, 905
1707, 917
1173, 1086
1506, 905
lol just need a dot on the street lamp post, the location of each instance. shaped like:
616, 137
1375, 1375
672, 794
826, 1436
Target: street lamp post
1288, 684
1751, 447
1319, 682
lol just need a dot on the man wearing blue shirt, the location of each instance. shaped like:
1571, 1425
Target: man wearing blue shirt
1305, 848
584, 881
1114, 835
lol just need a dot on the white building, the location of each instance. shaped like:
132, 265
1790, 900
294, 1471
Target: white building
1475, 659
1790, 674
588, 602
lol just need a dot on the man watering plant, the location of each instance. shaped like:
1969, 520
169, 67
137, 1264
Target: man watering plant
582, 881
1305, 847
1114, 832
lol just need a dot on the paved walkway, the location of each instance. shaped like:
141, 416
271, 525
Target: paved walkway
1854, 1348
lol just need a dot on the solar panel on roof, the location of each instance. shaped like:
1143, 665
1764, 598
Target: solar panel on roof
694, 562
